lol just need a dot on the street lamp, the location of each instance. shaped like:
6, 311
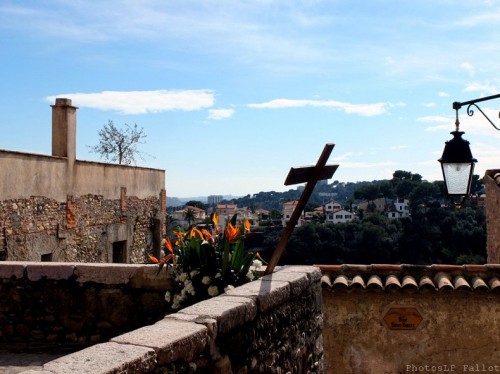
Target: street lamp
457, 162
457, 165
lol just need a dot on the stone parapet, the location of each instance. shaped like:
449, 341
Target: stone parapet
271, 325
75, 305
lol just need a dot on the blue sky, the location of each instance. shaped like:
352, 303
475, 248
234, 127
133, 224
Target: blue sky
231, 94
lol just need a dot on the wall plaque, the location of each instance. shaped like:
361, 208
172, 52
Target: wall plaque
402, 318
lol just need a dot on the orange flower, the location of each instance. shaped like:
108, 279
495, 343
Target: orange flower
195, 232
247, 225
169, 246
231, 232
207, 234
215, 219
153, 259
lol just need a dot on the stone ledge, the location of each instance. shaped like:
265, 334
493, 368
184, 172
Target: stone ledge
267, 293
171, 339
9, 269
229, 312
106, 358
115, 274
313, 272
299, 281
136, 276
49, 270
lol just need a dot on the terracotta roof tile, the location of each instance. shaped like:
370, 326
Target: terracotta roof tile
392, 282
460, 283
409, 282
375, 282
479, 284
341, 282
426, 283
494, 284
409, 277
357, 281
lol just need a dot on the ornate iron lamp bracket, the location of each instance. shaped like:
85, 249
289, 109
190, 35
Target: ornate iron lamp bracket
470, 111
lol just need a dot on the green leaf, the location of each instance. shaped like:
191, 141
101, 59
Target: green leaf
237, 256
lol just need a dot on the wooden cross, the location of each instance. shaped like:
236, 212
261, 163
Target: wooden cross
311, 175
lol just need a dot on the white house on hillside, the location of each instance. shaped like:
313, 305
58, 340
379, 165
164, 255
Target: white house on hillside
288, 209
402, 206
339, 216
331, 206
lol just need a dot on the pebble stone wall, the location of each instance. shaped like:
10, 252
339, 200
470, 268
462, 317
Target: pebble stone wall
75, 230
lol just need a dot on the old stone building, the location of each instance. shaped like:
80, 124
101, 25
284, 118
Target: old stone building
58, 208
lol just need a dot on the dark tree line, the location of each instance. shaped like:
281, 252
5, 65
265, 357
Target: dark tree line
436, 235
433, 233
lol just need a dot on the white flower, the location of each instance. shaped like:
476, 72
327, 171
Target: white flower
205, 280
168, 296
177, 301
194, 273
182, 277
213, 291
189, 287
228, 288
257, 264
250, 276
218, 275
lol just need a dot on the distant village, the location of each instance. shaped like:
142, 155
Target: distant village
330, 212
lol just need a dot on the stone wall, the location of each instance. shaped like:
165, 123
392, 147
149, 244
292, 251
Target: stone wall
70, 306
491, 181
81, 229
272, 325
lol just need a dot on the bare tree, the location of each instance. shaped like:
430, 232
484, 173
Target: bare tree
119, 144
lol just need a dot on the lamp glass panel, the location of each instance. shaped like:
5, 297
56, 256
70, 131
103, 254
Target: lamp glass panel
457, 178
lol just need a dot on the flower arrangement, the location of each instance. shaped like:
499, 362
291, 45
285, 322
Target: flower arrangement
207, 262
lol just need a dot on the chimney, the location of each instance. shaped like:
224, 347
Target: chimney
492, 182
64, 129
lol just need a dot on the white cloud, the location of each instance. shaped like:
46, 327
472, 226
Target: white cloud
218, 114
141, 102
367, 110
346, 156
429, 105
479, 87
443, 94
469, 68
445, 123
398, 147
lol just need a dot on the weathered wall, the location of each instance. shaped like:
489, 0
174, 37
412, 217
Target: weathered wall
491, 180
75, 305
457, 329
25, 175
80, 229
272, 325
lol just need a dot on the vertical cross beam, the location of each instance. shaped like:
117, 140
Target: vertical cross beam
311, 175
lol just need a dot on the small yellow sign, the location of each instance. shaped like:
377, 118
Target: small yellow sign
402, 318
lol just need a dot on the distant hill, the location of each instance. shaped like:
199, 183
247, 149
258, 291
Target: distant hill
180, 201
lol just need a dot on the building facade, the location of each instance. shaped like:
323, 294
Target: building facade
58, 208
